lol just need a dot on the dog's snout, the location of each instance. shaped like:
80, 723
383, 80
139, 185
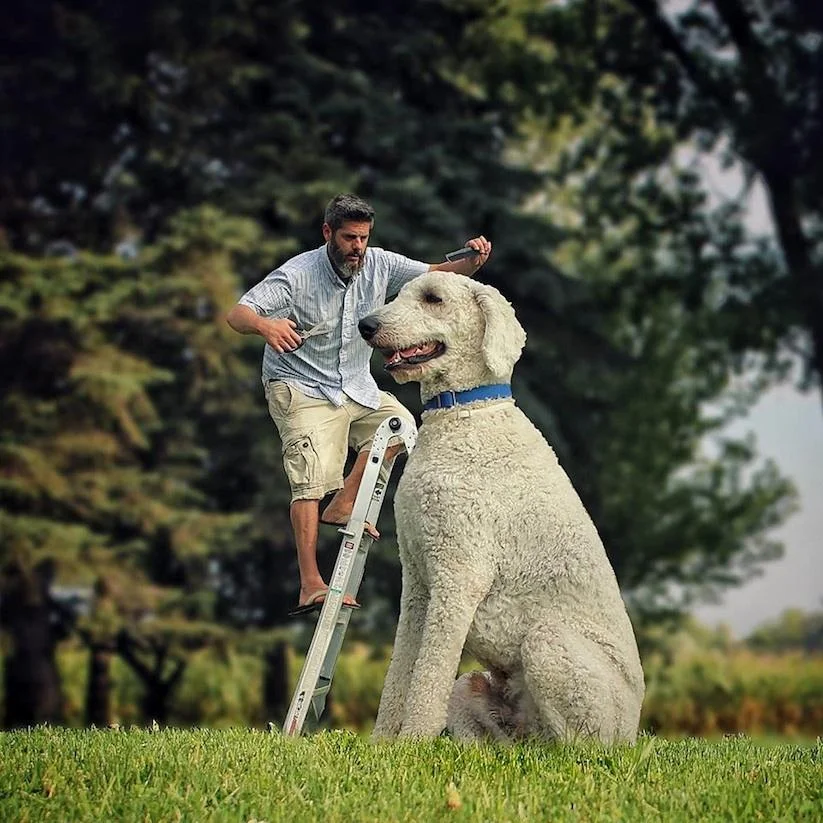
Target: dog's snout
368, 326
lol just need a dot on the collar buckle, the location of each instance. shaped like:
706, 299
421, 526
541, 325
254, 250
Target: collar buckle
446, 399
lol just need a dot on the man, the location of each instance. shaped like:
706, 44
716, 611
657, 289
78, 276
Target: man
319, 388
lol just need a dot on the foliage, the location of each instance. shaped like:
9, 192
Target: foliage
104, 361
734, 84
673, 496
699, 682
121, 435
707, 693
794, 630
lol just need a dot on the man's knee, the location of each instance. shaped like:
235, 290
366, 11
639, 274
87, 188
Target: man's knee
389, 407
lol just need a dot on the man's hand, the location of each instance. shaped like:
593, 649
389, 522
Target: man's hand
281, 334
483, 247
468, 265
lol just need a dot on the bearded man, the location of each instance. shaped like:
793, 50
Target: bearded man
316, 376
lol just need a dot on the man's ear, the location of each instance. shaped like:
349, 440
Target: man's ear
504, 337
327, 232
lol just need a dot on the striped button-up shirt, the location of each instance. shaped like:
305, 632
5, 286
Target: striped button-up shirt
306, 288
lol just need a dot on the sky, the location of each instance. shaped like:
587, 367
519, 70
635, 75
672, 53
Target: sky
789, 429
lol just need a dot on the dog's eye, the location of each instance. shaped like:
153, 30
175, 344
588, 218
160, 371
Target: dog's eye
431, 297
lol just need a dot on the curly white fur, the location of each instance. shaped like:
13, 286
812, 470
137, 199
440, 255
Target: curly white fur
499, 555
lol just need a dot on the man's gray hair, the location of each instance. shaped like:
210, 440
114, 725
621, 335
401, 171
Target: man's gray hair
348, 207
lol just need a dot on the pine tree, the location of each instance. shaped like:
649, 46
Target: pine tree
117, 380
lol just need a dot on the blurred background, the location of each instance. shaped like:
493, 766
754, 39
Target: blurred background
650, 175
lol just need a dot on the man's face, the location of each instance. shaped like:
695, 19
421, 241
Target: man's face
347, 246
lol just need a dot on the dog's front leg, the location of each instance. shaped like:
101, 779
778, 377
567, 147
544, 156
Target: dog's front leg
413, 603
448, 619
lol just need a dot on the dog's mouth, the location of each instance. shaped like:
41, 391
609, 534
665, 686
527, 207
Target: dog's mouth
413, 355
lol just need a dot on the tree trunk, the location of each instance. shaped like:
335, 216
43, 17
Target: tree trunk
158, 687
33, 692
807, 278
276, 694
98, 691
155, 701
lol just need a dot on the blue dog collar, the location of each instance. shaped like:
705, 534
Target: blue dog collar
447, 399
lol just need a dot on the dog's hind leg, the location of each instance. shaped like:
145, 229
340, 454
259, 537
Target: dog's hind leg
577, 688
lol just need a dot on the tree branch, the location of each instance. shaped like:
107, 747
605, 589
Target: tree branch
772, 149
670, 41
177, 673
753, 60
125, 644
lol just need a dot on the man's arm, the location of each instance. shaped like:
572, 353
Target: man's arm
281, 334
468, 265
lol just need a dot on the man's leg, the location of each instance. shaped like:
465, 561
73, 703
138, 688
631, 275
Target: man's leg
304, 521
339, 509
364, 424
314, 438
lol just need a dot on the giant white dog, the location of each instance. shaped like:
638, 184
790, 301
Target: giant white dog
499, 555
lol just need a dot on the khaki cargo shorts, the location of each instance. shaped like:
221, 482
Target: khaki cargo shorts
316, 435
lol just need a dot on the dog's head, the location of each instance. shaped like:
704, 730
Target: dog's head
446, 332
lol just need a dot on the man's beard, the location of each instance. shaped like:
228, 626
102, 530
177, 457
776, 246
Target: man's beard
346, 267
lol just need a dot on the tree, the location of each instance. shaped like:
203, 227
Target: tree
116, 382
741, 80
33, 691
794, 630
659, 270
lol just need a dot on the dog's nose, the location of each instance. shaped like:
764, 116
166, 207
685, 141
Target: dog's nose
368, 326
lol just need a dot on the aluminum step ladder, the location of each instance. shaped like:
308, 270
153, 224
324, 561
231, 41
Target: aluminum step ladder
318, 669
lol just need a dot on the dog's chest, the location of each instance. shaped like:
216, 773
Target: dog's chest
444, 462
471, 447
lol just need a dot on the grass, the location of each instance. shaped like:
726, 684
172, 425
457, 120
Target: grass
250, 775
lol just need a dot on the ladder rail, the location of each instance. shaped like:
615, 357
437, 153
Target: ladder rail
347, 575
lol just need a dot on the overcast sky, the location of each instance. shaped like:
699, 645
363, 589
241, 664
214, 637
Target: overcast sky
789, 429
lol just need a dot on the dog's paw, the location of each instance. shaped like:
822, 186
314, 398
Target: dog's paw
380, 734
421, 730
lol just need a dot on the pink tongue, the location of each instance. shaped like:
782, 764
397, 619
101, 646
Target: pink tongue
410, 352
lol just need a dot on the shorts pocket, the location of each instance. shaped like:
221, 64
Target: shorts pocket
302, 463
280, 397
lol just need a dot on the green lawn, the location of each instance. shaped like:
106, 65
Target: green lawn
244, 775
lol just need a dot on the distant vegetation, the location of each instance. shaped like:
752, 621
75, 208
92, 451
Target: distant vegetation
699, 682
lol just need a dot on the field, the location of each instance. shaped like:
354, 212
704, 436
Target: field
251, 775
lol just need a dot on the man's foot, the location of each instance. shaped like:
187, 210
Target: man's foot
367, 527
338, 512
314, 602
317, 597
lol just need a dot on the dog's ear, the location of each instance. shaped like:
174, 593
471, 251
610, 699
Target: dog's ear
504, 337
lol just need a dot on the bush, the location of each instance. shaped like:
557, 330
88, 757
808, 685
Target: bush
690, 690
709, 692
